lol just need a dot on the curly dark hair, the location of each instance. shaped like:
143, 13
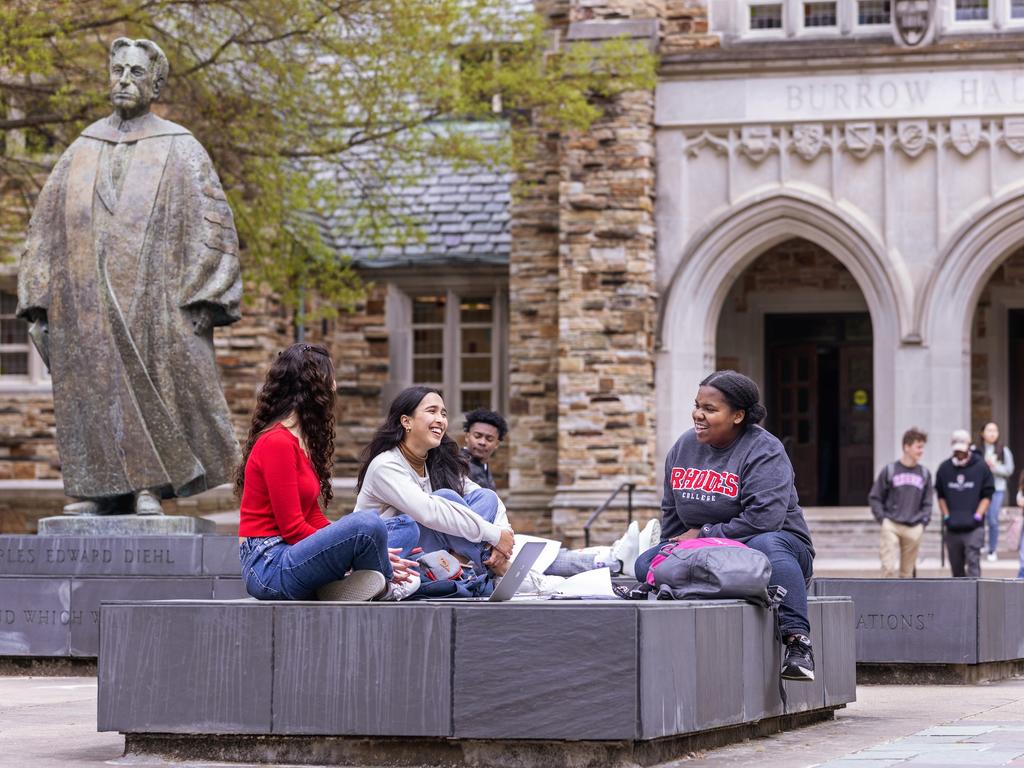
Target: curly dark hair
446, 465
301, 380
486, 416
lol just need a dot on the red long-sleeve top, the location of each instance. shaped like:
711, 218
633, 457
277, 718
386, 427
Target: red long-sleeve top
281, 490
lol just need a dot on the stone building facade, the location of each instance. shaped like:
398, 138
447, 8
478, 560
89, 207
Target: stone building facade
799, 198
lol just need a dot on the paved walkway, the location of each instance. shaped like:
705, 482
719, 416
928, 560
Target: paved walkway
50, 723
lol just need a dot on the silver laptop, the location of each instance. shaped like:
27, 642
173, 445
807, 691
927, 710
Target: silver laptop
513, 578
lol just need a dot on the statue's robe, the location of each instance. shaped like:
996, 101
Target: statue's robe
132, 231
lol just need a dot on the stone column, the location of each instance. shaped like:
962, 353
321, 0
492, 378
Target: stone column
606, 305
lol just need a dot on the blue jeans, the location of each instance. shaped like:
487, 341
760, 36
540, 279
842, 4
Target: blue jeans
275, 570
407, 534
992, 520
792, 568
1020, 573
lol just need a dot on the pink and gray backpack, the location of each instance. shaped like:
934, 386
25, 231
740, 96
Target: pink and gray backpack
711, 569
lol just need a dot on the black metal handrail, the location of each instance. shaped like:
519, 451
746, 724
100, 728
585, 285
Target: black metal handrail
630, 487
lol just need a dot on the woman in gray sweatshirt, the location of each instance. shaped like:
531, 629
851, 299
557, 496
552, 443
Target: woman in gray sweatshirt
730, 478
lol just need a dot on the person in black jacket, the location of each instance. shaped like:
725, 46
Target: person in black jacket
485, 429
964, 485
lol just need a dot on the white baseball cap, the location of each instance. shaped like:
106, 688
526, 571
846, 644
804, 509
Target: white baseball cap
961, 440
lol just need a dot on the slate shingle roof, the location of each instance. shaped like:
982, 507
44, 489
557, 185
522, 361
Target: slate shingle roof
463, 214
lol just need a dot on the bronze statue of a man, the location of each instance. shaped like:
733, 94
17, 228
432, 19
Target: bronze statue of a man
131, 260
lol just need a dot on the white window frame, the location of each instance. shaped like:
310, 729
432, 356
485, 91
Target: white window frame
38, 378
998, 11
761, 34
402, 289
798, 21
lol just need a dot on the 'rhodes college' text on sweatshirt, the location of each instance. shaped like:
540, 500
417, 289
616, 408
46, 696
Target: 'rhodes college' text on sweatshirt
738, 492
963, 488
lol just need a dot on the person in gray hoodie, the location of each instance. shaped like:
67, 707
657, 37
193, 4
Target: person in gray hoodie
901, 500
730, 478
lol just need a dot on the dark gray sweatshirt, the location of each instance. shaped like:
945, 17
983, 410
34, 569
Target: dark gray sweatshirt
903, 494
738, 492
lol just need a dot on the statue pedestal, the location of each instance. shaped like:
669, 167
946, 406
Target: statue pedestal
125, 525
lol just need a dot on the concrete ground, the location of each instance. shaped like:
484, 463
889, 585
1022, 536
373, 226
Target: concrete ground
48, 722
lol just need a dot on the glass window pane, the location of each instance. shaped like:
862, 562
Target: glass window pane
476, 310
476, 398
786, 404
803, 369
802, 400
8, 303
803, 432
13, 332
476, 341
766, 16
428, 341
874, 12
819, 14
971, 10
787, 371
1017, 9
13, 363
476, 369
427, 370
428, 309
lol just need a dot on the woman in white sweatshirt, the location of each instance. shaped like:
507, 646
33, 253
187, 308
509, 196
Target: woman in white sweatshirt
414, 476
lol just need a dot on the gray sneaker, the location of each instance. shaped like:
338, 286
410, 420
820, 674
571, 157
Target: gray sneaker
400, 590
358, 586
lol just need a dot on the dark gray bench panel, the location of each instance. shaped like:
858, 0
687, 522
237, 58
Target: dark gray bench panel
931, 621
718, 658
544, 696
668, 672
165, 667
371, 670
220, 556
87, 594
225, 588
838, 644
36, 617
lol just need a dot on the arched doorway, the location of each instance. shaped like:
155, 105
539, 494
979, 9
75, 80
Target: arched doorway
796, 320
997, 357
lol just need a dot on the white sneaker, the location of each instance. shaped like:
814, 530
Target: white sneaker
992, 557
400, 590
650, 536
358, 586
627, 549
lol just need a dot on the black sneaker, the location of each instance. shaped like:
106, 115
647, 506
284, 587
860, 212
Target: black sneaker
799, 661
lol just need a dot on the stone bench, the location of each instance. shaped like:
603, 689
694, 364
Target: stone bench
934, 630
51, 587
441, 683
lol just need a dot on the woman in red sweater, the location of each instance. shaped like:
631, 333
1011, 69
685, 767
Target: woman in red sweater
288, 549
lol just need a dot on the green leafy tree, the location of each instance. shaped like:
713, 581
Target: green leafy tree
308, 107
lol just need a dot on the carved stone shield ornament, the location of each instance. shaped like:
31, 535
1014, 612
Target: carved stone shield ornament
965, 132
756, 141
1013, 134
808, 139
913, 135
860, 138
913, 22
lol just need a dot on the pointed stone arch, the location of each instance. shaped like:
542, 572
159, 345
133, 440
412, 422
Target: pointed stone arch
716, 256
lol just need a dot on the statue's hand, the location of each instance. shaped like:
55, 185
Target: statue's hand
202, 319
39, 332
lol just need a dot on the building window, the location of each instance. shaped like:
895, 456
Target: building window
1017, 9
458, 348
971, 10
765, 16
870, 12
20, 364
14, 343
819, 15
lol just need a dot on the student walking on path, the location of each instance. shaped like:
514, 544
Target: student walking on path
1000, 460
288, 549
964, 485
901, 500
747, 494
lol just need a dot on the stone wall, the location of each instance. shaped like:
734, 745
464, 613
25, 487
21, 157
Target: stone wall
606, 305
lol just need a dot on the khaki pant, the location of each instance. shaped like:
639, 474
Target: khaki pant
898, 548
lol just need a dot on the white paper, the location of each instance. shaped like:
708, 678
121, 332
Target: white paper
547, 557
595, 583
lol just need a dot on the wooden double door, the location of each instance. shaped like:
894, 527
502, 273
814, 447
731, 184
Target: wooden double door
820, 405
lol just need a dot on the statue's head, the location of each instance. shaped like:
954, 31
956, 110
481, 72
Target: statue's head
138, 69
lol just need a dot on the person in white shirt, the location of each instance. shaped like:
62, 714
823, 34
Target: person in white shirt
414, 476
